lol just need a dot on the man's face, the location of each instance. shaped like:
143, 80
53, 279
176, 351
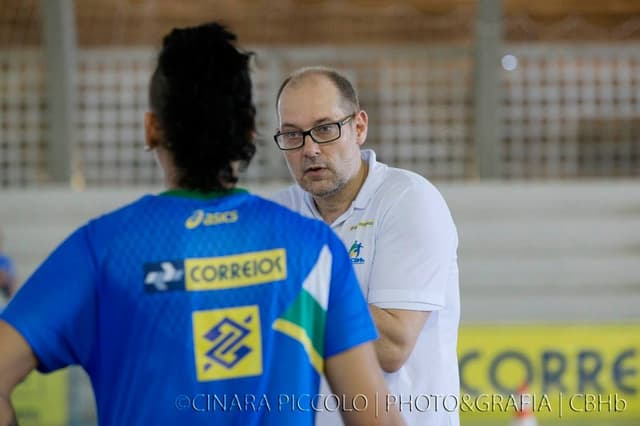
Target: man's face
321, 169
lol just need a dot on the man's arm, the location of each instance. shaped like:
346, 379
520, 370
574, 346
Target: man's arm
416, 243
16, 361
398, 330
357, 372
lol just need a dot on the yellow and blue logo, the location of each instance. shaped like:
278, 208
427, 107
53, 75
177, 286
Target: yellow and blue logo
354, 252
227, 343
216, 273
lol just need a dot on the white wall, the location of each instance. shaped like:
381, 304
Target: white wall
528, 251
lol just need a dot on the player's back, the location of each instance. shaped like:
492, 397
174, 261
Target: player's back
205, 282
192, 310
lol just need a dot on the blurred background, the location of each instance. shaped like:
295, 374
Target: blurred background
526, 115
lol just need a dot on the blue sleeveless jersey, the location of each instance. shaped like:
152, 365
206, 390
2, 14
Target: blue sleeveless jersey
196, 310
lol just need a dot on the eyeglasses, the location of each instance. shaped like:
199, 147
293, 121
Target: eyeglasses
323, 133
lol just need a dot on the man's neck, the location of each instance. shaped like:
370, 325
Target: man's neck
332, 207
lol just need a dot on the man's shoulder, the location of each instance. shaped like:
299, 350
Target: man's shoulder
401, 183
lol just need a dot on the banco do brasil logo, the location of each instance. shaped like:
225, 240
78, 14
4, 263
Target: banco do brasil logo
227, 343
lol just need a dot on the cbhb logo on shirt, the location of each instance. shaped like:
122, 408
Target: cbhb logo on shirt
227, 343
354, 252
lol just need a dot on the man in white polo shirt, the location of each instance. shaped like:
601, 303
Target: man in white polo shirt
399, 233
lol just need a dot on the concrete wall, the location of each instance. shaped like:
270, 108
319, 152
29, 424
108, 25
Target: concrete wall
528, 251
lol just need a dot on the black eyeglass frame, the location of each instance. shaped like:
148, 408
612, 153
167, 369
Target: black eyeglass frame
306, 133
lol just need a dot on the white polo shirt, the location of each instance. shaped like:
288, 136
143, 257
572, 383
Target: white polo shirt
403, 245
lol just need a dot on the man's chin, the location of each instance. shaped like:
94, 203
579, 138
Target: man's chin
317, 188
322, 191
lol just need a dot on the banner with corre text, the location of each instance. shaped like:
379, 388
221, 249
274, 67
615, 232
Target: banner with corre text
583, 373
42, 399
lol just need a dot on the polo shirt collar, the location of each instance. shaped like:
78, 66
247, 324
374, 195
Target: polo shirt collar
372, 182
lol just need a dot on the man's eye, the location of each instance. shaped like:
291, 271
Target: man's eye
324, 129
292, 135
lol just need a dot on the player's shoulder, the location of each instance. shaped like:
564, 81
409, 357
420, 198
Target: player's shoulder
290, 219
97, 232
124, 214
305, 236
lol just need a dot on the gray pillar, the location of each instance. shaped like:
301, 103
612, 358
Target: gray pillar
274, 74
59, 41
486, 81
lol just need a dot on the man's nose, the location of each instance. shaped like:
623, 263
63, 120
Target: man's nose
309, 147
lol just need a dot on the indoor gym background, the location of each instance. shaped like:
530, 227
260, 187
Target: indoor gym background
525, 114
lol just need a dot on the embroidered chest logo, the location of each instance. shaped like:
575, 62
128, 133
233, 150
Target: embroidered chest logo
354, 252
362, 224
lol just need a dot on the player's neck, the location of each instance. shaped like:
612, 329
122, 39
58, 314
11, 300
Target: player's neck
172, 178
333, 206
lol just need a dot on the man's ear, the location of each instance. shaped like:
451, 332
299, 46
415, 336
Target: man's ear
362, 124
152, 131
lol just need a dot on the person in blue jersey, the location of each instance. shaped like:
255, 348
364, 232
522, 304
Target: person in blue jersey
193, 306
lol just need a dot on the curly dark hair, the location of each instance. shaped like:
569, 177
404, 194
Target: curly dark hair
201, 94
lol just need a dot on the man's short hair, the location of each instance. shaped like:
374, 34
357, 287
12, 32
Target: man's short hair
348, 94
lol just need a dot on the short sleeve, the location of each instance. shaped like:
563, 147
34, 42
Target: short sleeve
415, 252
349, 322
55, 310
